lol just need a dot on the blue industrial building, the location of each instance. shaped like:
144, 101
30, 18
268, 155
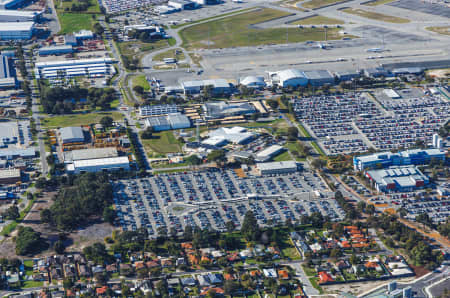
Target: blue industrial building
387, 159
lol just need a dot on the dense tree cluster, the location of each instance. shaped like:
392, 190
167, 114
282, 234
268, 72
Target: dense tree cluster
135, 148
398, 235
29, 242
64, 100
350, 211
88, 195
80, 5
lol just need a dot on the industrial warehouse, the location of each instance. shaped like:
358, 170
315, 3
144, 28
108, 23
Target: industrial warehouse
277, 167
171, 121
7, 77
71, 68
18, 16
16, 30
398, 179
99, 164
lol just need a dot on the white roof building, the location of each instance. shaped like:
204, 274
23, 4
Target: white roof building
16, 30
9, 15
269, 152
253, 82
289, 77
234, 135
277, 167
99, 164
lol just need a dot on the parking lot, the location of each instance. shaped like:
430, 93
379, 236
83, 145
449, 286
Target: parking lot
330, 119
210, 198
415, 203
355, 122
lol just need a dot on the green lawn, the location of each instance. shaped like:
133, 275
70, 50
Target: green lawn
141, 80
318, 149
162, 143
162, 165
319, 3
177, 54
235, 31
283, 156
32, 284
74, 22
315, 284
445, 30
78, 119
376, 16
61, 6
378, 2
318, 20
28, 267
309, 271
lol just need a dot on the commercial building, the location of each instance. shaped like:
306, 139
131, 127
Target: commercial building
99, 164
71, 134
319, 77
278, 167
70, 40
223, 135
391, 93
93, 153
347, 75
55, 50
218, 86
70, 68
178, 121
376, 72
14, 153
84, 34
289, 78
7, 80
171, 121
16, 30
407, 71
11, 133
269, 153
253, 82
387, 159
10, 176
221, 109
157, 110
18, 15
397, 179
182, 4
10, 4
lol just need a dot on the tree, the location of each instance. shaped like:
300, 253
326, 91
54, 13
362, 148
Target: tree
12, 213
318, 163
109, 215
230, 287
106, 121
147, 133
98, 29
59, 247
29, 242
97, 253
354, 259
217, 156
46, 216
229, 225
193, 160
292, 133
370, 209
138, 89
188, 233
250, 229
272, 103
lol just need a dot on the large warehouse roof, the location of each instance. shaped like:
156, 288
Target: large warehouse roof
100, 162
9, 173
16, 26
74, 62
277, 165
20, 13
253, 81
289, 74
318, 74
269, 151
4, 67
90, 154
69, 133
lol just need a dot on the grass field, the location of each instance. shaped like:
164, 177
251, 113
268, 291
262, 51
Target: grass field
132, 49
376, 16
237, 31
141, 80
319, 3
318, 20
162, 143
283, 156
73, 22
62, 5
177, 54
445, 30
78, 119
378, 2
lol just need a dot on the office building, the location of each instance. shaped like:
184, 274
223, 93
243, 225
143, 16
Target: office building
10, 176
71, 68
218, 86
16, 30
157, 110
221, 109
347, 75
99, 164
387, 159
70, 135
235, 135
269, 153
278, 167
55, 50
397, 179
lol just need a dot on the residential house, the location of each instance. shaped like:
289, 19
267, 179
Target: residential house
188, 282
111, 268
325, 277
270, 272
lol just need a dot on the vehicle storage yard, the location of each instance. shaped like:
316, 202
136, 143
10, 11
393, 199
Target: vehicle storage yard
213, 197
353, 123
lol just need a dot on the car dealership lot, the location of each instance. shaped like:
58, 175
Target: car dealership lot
213, 197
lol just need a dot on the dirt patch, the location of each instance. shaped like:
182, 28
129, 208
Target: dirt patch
419, 271
439, 73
